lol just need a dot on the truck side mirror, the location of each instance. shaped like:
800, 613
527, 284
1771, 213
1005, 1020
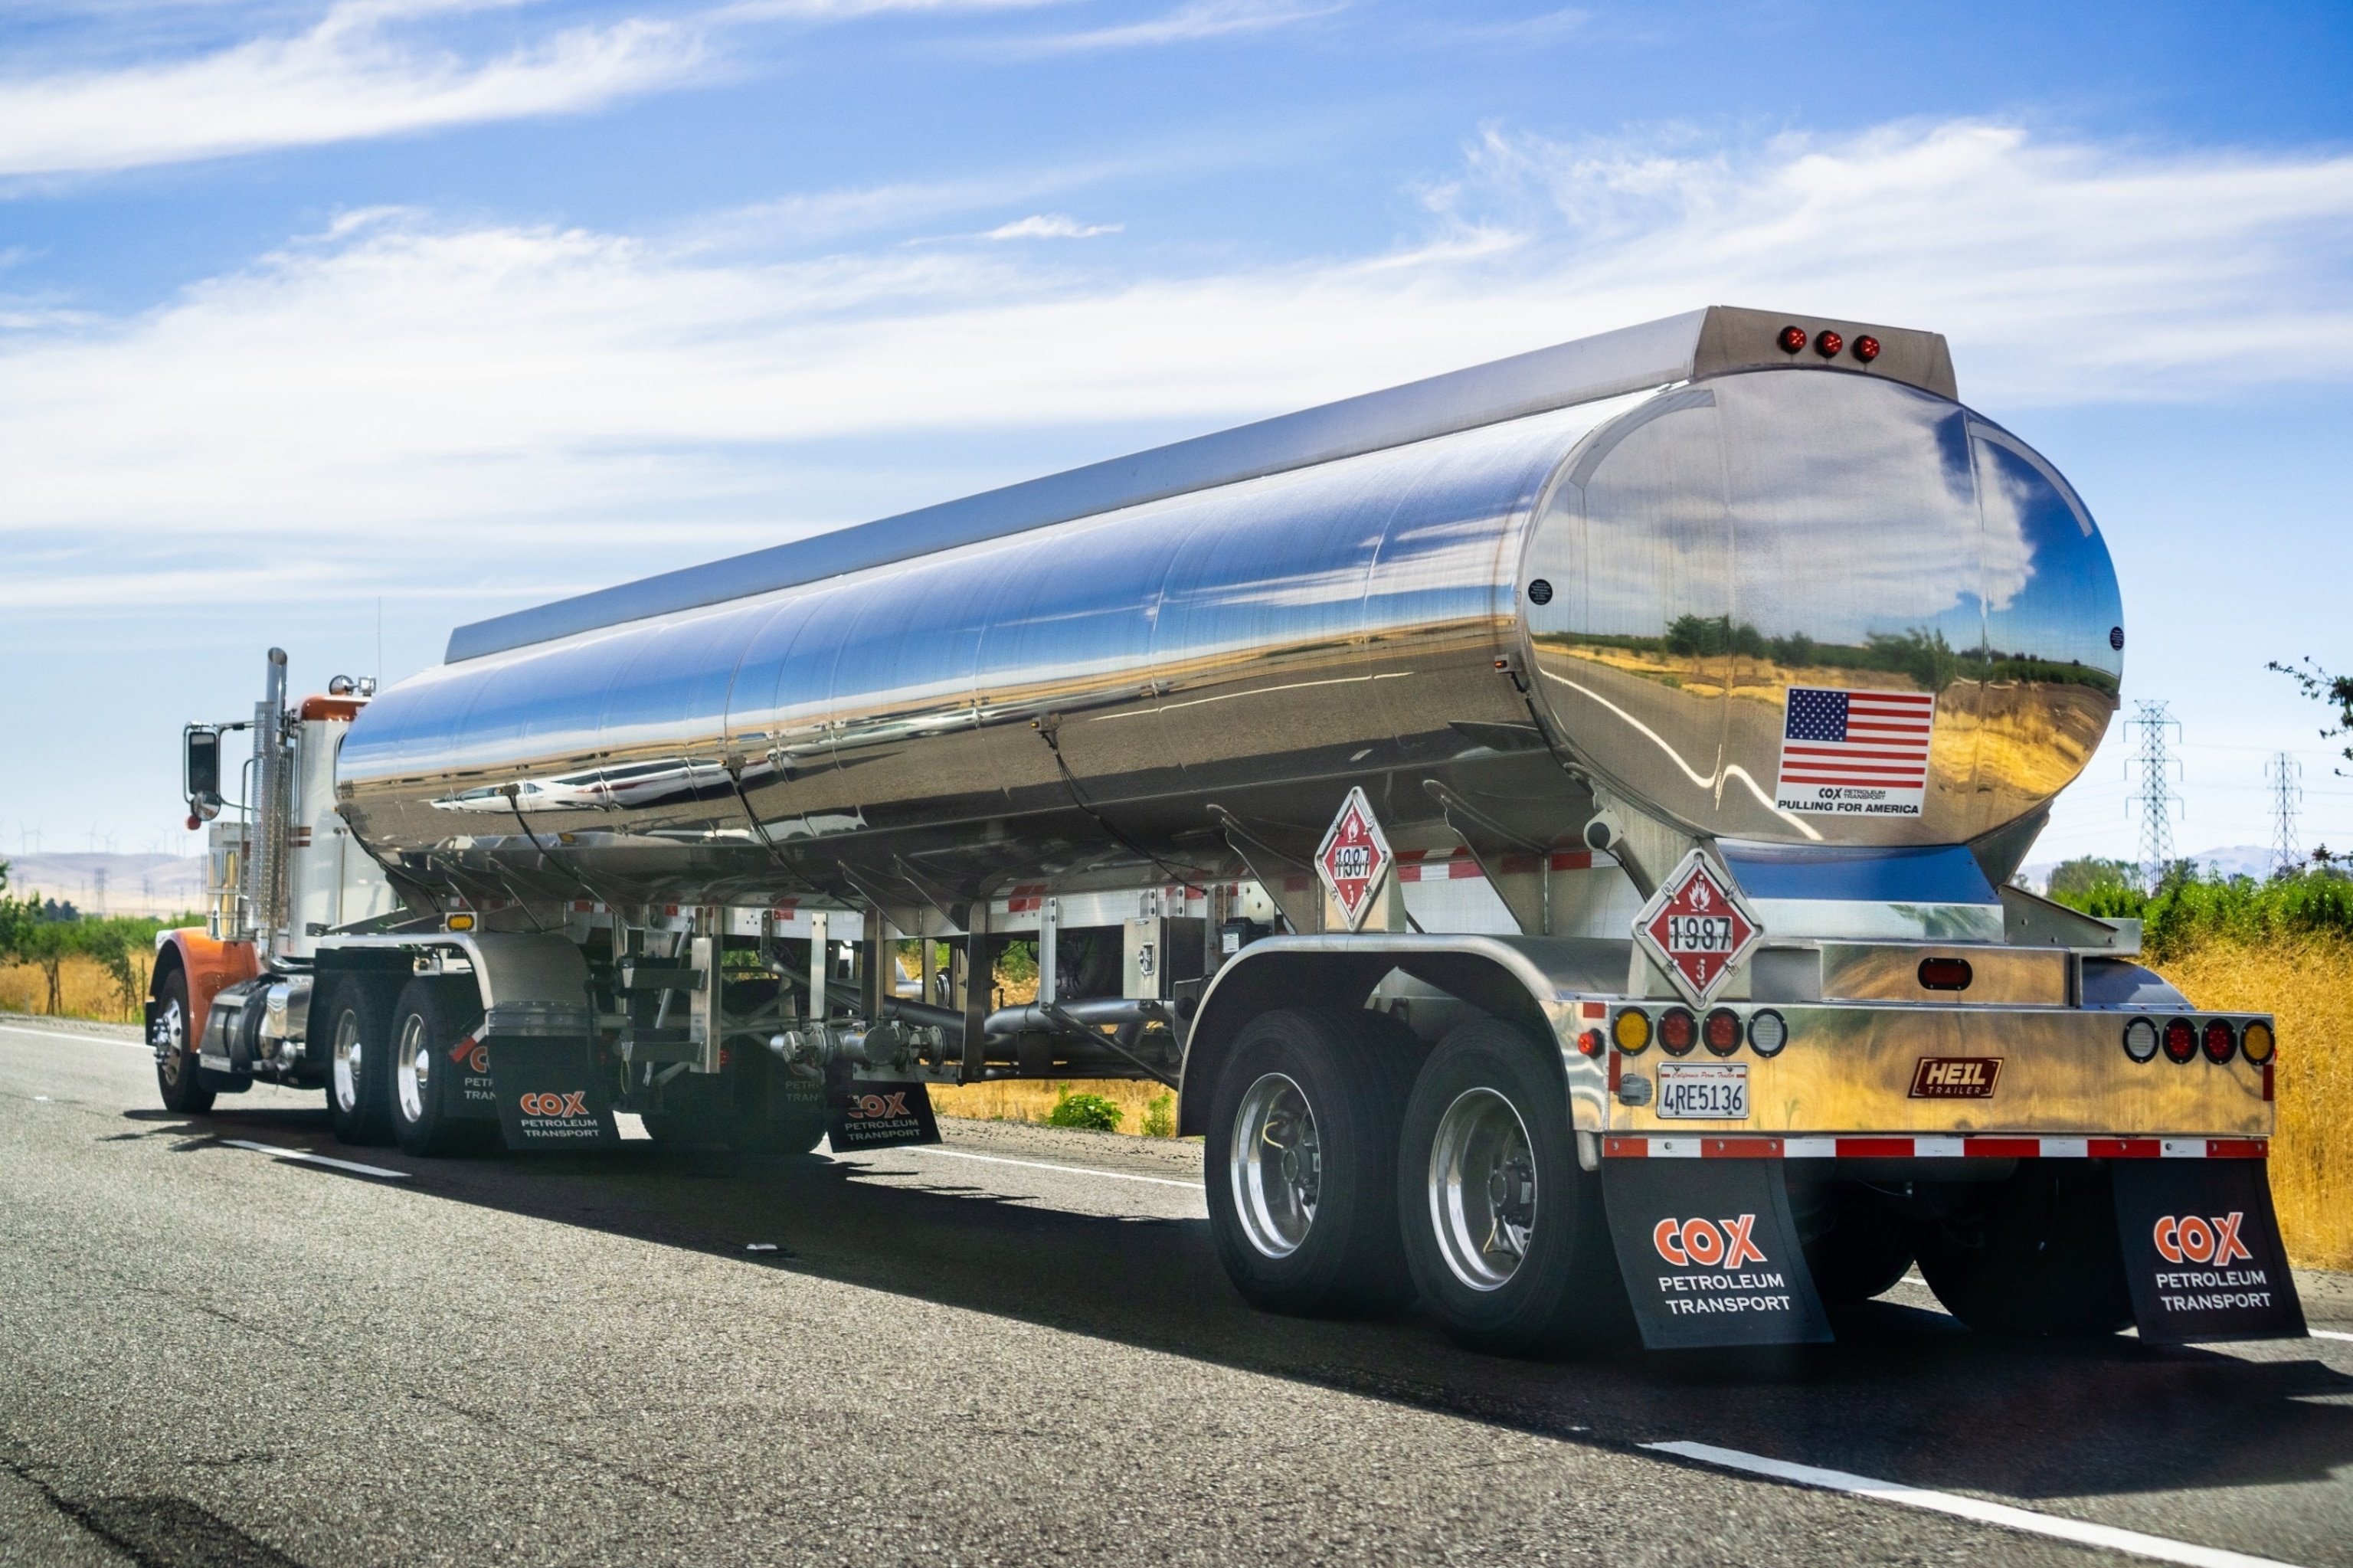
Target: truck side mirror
201, 774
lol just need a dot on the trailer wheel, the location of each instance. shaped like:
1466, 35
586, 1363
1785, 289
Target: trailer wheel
1301, 1160
1506, 1236
1856, 1245
429, 1019
176, 1074
359, 1061
2035, 1256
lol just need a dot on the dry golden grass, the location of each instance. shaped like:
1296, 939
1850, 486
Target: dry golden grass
1029, 1099
85, 990
2305, 986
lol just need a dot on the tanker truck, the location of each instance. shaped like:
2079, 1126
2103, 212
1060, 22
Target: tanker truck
1552, 826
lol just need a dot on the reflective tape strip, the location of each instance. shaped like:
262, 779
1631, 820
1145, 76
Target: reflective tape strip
1828, 1147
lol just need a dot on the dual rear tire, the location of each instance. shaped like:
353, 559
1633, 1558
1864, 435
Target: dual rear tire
1346, 1173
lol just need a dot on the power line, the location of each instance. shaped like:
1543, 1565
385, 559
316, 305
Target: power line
2155, 795
2283, 776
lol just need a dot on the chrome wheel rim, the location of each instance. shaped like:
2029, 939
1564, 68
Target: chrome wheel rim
347, 1063
1483, 1189
413, 1068
170, 1041
1276, 1165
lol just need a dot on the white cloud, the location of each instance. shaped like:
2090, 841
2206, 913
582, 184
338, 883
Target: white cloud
1049, 226
432, 398
1188, 23
347, 78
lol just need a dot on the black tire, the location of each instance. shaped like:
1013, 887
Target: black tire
430, 1018
1856, 1245
177, 1076
357, 1057
2035, 1256
1509, 1270
1312, 1230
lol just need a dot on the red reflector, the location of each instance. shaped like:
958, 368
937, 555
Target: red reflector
1946, 974
1827, 344
1678, 1032
2221, 1039
1792, 339
1722, 1032
1866, 349
2180, 1039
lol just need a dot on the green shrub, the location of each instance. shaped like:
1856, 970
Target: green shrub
1160, 1117
1092, 1112
2190, 909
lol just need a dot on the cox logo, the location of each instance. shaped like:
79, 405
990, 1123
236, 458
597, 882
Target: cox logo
574, 1104
473, 1053
868, 1107
1707, 1243
2187, 1238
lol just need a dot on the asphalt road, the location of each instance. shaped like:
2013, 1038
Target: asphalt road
212, 1356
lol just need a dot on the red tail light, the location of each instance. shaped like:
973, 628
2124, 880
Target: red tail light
1678, 1032
1946, 974
2221, 1039
2180, 1039
1722, 1032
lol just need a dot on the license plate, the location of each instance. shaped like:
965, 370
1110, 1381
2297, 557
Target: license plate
1703, 1091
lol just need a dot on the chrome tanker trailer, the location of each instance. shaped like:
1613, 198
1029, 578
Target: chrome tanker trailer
1552, 825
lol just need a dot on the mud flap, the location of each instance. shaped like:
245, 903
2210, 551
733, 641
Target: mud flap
1710, 1255
2202, 1253
863, 1115
549, 1094
477, 1097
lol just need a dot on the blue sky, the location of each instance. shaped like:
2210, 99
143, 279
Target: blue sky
426, 309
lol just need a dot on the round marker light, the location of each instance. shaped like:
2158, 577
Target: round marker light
1632, 1030
1866, 348
2222, 1041
1792, 339
1722, 1032
2140, 1040
1827, 344
2256, 1040
1678, 1032
1768, 1033
2180, 1039
1589, 1042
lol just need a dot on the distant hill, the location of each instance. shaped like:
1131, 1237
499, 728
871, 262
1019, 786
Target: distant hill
159, 885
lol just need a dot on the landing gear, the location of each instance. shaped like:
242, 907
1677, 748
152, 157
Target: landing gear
1505, 1236
1301, 1160
177, 1075
2035, 1256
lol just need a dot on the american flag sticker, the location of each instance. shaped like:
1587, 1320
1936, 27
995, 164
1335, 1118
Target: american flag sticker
1855, 754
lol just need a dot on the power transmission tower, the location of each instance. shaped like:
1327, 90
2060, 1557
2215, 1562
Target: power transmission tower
2283, 775
2156, 798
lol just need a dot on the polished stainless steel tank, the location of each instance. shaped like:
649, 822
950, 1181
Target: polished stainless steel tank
1510, 591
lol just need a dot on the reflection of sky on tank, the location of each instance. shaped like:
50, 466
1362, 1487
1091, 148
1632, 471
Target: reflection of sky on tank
2068, 600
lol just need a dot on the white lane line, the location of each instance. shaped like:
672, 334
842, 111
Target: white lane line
2327, 1334
39, 1033
307, 1157
1041, 1165
2083, 1535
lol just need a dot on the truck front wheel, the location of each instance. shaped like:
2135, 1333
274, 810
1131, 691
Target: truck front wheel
1301, 1160
1505, 1234
2036, 1255
176, 1074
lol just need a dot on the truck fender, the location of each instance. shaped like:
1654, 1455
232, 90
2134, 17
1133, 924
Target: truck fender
1533, 982
210, 966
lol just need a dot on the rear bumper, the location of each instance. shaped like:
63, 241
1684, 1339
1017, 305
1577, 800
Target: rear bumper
1987, 1147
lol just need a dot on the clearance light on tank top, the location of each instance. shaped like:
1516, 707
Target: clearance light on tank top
1792, 340
2222, 1041
1827, 344
2180, 1039
2257, 1042
1866, 348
